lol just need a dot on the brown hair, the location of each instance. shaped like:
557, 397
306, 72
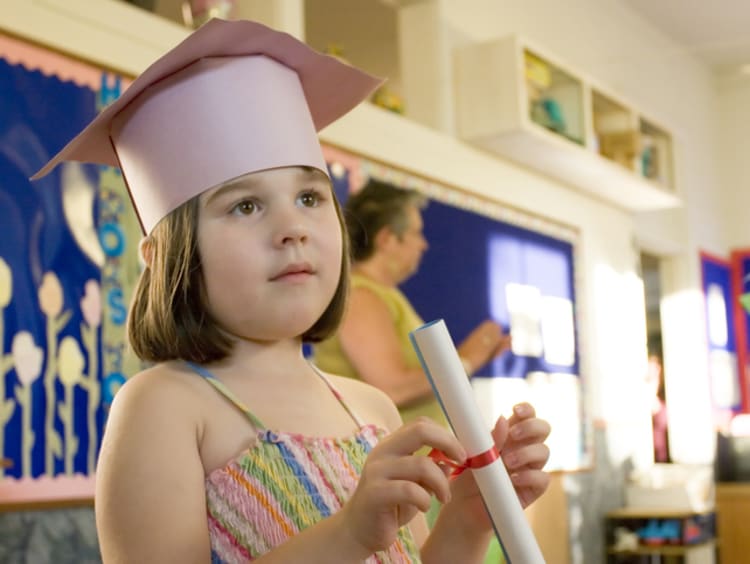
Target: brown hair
168, 318
378, 204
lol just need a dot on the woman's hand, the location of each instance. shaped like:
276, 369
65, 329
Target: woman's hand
484, 343
395, 484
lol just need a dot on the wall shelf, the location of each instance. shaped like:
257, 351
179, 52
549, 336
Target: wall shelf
516, 102
660, 536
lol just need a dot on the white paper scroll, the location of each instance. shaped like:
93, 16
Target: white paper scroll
443, 367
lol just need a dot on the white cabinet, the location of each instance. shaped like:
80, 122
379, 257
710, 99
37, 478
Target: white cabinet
516, 102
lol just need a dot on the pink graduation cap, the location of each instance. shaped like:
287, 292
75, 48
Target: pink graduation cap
235, 97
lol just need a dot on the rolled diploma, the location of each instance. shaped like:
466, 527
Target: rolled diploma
443, 367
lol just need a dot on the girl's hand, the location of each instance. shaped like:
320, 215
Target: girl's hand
395, 484
524, 452
520, 441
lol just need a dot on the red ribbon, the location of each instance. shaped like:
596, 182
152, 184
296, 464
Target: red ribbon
478, 461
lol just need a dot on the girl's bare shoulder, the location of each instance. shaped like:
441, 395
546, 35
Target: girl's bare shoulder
166, 388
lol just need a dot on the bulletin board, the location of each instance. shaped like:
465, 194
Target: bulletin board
720, 331
740, 262
67, 265
486, 260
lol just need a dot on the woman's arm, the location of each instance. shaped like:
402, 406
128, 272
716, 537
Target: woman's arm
485, 342
370, 341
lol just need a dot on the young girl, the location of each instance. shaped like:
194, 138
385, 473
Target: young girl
232, 447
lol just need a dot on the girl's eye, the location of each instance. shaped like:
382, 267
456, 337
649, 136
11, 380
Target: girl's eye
310, 199
245, 207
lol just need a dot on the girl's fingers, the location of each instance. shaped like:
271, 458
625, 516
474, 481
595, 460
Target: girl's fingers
532, 479
420, 433
405, 493
521, 439
531, 456
500, 432
522, 411
529, 431
509, 436
419, 470
530, 485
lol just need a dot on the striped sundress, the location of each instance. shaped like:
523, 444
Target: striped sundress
285, 483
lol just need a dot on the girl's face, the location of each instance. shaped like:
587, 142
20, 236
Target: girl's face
271, 248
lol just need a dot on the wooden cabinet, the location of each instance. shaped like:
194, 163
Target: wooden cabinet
516, 101
733, 516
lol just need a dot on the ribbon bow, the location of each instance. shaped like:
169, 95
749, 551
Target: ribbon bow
477, 461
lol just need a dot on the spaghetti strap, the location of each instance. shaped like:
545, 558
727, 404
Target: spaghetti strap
338, 396
227, 393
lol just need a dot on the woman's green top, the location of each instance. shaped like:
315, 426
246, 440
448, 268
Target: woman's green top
330, 357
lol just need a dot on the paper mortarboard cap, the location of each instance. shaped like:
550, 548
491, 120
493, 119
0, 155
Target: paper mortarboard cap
234, 97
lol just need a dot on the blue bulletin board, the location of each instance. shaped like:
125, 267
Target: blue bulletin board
51, 314
741, 307
67, 266
464, 280
484, 261
720, 333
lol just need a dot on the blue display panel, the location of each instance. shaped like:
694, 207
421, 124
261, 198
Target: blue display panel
720, 333
50, 303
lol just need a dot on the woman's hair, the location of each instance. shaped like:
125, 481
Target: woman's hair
169, 319
377, 205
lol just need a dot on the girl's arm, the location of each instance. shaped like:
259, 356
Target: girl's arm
150, 500
374, 406
396, 486
463, 529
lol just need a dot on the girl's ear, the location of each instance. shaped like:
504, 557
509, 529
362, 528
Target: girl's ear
146, 250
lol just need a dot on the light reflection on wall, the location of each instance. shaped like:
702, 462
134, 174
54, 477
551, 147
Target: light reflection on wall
619, 361
530, 289
692, 439
79, 192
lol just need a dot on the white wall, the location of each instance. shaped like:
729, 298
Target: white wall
111, 34
608, 42
611, 297
734, 97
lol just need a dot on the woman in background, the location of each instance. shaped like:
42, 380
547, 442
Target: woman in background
385, 230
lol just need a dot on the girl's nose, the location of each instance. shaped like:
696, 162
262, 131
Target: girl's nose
292, 235
290, 228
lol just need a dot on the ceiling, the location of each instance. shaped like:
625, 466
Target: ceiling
716, 31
